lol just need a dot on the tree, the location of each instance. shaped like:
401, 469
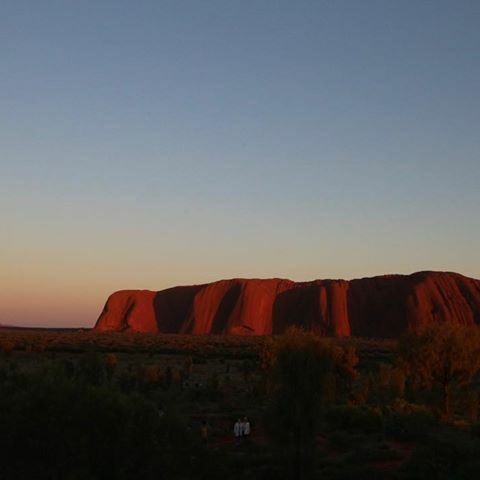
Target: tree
111, 362
446, 356
301, 366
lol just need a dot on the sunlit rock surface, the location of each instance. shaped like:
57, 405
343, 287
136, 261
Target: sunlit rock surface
378, 307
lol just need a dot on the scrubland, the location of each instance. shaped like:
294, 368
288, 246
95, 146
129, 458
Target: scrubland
82, 404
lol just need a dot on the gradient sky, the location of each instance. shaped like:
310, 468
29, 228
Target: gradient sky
145, 144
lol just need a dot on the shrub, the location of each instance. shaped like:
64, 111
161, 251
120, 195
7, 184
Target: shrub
298, 364
406, 421
450, 456
54, 428
91, 368
111, 362
445, 356
344, 441
475, 429
187, 367
353, 418
127, 381
7, 346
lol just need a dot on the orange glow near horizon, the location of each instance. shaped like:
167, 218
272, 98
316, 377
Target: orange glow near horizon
152, 148
64, 296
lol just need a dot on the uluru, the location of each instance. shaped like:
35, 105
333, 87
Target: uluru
377, 307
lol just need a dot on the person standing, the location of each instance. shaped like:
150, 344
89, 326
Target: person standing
237, 429
246, 428
242, 428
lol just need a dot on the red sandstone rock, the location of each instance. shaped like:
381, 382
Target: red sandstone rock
129, 310
378, 307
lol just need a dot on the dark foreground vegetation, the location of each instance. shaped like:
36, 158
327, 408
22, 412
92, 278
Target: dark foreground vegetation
83, 405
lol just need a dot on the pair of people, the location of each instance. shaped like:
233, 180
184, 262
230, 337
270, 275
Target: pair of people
241, 429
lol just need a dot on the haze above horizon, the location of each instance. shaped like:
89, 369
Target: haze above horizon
152, 144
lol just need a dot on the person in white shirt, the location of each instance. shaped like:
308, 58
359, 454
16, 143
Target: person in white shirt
237, 430
246, 428
242, 428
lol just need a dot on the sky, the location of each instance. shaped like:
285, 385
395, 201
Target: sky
149, 144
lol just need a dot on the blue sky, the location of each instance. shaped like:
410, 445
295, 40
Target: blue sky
153, 143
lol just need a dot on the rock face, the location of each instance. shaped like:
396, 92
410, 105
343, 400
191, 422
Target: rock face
378, 307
